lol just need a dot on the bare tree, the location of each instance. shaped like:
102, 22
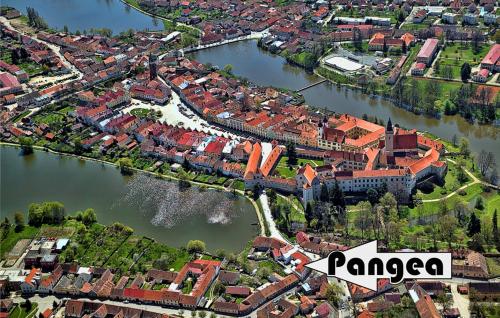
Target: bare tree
485, 161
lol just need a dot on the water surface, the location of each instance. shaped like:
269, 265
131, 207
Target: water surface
86, 14
263, 68
152, 207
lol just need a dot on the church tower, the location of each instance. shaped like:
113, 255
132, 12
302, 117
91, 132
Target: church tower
320, 130
389, 137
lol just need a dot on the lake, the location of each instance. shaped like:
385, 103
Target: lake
263, 68
151, 206
86, 14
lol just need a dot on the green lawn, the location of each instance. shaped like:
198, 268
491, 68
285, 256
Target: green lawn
284, 170
350, 47
48, 118
356, 13
456, 54
239, 185
19, 311
451, 184
12, 237
493, 266
296, 214
272, 266
491, 201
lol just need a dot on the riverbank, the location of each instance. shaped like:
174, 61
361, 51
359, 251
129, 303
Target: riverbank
153, 188
377, 87
135, 5
265, 69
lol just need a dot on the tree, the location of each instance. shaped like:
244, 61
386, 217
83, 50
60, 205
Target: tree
89, 217
372, 196
337, 196
464, 146
78, 146
445, 301
202, 314
291, 154
19, 221
496, 235
308, 213
357, 39
324, 195
465, 71
476, 243
195, 246
28, 305
26, 145
479, 203
333, 294
448, 225
125, 165
474, 225
485, 161
35, 20
46, 212
228, 68
364, 218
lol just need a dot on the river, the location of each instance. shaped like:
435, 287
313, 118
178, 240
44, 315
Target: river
263, 68
86, 14
152, 207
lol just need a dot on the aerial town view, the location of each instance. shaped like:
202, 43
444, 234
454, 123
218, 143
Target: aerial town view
194, 158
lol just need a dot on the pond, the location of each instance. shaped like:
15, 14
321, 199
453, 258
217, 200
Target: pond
152, 207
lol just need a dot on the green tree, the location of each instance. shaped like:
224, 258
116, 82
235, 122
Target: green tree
19, 221
476, 243
219, 288
125, 165
324, 195
308, 213
496, 235
333, 294
89, 217
26, 145
46, 212
337, 196
228, 68
195, 246
474, 225
364, 217
464, 146
448, 225
465, 71
445, 301
291, 154
372, 196
28, 305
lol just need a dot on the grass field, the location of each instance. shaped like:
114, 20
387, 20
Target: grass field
451, 184
19, 311
456, 54
284, 170
12, 237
